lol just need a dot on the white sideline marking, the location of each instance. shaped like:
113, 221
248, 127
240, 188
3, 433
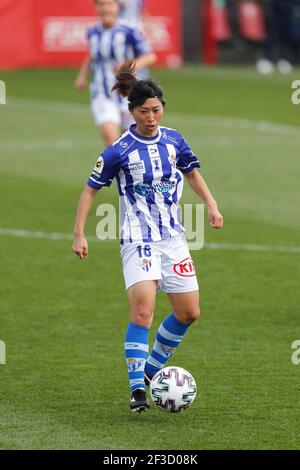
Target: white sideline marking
238, 123
9, 232
50, 106
68, 144
37, 145
252, 247
197, 119
211, 246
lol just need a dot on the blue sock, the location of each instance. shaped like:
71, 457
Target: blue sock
136, 351
168, 338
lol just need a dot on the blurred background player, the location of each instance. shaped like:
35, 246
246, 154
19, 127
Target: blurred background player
130, 11
111, 42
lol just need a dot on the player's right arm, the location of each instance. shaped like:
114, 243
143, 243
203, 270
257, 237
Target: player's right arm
106, 168
81, 79
80, 244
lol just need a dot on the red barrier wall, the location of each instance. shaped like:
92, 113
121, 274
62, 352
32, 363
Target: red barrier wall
51, 33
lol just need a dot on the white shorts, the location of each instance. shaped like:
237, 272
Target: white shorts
106, 110
167, 261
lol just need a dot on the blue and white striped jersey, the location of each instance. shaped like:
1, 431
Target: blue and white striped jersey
108, 47
150, 182
130, 11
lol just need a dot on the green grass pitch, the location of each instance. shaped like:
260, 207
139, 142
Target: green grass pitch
64, 384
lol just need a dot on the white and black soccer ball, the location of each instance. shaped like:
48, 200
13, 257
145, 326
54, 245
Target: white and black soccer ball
173, 389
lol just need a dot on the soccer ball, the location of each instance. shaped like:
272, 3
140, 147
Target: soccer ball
173, 389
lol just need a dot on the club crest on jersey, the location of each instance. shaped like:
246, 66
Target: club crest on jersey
134, 364
185, 268
172, 160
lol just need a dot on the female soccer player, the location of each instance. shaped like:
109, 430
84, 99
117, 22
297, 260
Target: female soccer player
148, 162
110, 44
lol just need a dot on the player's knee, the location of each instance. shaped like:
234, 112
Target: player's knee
143, 316
192, 315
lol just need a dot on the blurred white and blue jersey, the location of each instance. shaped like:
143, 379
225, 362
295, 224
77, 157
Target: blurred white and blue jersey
109, 47
130, 11
150, 182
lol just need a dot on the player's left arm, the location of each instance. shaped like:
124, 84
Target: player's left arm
198, 184
145, 60
141, 62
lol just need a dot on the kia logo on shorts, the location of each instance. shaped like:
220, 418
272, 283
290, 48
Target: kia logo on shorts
185, 268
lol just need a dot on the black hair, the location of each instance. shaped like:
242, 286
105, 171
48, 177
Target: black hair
137, 91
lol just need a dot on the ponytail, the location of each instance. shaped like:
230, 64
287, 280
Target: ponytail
136, 91
125, 78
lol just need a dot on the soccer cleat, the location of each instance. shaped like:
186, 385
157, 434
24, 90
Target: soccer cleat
138, 400
147, 379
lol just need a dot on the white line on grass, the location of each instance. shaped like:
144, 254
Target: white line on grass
253, 247
49, 106
31, 145
190, 119
86, 144
237, 123
8, 232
